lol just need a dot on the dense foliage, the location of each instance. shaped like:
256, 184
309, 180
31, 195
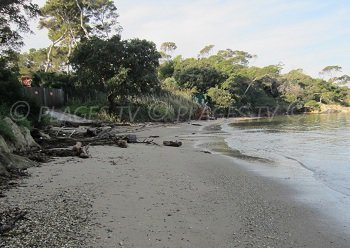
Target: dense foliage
229, 82
14, 21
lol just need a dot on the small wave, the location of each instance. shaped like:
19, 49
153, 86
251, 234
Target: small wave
301, 163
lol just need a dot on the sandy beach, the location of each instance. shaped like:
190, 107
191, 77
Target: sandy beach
157, 196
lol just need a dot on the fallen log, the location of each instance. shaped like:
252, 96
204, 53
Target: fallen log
172, 143
58, 152
78, 150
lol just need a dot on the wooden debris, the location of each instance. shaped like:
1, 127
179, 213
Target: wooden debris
77, 148
122, 143
91, 132
207, 152
172, 143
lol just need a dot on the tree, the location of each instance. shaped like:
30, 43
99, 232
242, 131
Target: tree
70, 21
166, 49
342, 80
235, 57
96, 61
205, 51
129, 65
14, 20
142, 59
103, 17
202, 78
331, 70
220, 97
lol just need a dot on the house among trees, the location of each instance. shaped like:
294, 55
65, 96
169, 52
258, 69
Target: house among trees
26, 81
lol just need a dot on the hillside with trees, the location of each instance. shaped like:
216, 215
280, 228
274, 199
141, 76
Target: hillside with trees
89, 59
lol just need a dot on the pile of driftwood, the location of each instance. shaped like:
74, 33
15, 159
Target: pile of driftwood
68, 142
172, 143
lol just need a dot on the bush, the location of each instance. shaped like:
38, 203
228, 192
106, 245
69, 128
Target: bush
89, 110
313, 105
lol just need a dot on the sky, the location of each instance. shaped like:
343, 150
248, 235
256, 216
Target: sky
307, 34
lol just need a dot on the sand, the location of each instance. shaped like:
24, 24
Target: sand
156, 196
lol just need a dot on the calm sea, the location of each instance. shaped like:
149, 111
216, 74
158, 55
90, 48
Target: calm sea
319, 143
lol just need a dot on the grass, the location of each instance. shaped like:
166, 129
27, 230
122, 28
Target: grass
89, 110
165, 107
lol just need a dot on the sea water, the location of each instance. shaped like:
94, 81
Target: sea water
310, 151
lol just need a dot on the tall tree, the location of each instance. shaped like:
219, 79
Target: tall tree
205, 51
70, 21
166, 50
14, 15
103, 18
331, 70
132, 63
235, 57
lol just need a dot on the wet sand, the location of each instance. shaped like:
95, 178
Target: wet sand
156, 196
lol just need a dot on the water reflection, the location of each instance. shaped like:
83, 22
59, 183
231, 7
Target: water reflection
319, 143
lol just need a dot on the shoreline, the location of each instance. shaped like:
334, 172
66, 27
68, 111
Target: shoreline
147, 196
311, 191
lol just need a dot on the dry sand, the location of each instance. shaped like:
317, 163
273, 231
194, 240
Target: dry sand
156, 196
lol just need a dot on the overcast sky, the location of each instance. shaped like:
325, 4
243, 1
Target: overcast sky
308, 34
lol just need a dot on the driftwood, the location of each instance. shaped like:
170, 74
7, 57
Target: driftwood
78, 150
63, 144
122, 143
172, 143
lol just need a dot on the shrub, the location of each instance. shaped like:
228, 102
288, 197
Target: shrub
165, 107
313, 105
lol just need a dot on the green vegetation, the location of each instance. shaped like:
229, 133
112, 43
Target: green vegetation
5, 130
96, 68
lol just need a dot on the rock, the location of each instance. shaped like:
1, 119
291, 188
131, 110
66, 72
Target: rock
3, 146
10, 162
122, 143
131, 138
172, 143
23, 141
30, 142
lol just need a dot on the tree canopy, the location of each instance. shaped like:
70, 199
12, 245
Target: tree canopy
14, 21
70, 21
97, 61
